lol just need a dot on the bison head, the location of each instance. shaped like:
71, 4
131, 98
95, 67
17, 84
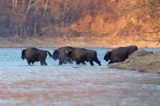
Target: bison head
55, 54
107, 56
132, 49
23, 54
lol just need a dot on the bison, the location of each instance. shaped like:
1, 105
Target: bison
61, 55
80, 55
120, 54
33, 54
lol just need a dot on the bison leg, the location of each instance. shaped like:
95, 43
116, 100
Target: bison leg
32, 62
97, 61
28, 62
61, 62
70, 61
43, 62
78, 62
91, 63
83, 62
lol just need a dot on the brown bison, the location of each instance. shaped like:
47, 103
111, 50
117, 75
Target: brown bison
61, 55
120, 54
33, 54
80, 55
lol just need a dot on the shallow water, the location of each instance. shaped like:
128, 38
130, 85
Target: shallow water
73, 85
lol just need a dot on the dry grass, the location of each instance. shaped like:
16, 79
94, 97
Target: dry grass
93, 42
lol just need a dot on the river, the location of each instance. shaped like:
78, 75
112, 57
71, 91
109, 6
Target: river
73, 85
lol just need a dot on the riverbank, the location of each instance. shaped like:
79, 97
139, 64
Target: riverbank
142, 61
89, 42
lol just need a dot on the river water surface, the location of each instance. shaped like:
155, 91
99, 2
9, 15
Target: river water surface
73, 85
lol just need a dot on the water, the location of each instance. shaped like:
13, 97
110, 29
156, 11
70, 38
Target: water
72, 85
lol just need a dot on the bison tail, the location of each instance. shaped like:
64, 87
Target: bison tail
50, 55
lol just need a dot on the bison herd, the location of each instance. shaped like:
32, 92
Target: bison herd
69, 54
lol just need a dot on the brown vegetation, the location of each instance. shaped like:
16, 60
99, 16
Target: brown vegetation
103, 22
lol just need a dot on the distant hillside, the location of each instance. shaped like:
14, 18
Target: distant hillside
109, 20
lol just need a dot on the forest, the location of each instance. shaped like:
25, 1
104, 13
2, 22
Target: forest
101, 22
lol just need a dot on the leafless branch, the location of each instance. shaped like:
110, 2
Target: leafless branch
35, 3
28, 7
14, 3
45, 7
31, 5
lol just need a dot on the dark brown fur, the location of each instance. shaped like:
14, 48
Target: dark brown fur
80, 55
61, 55
120, 54
33, 54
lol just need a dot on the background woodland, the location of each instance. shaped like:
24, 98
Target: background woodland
98, 22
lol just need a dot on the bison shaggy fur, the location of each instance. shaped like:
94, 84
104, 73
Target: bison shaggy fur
33, 54
120, 54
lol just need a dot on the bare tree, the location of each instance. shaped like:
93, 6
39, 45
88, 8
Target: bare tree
147, 12
152, 12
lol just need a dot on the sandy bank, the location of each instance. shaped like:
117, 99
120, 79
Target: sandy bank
89, 42
142, 61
